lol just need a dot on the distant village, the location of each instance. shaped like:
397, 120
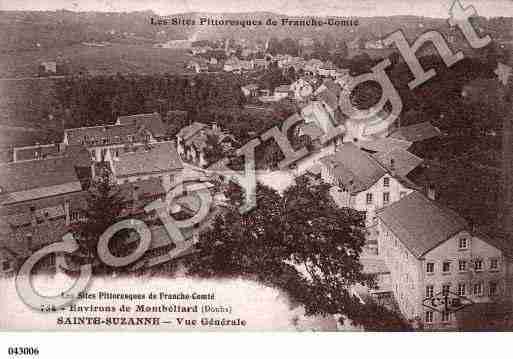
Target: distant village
417, 248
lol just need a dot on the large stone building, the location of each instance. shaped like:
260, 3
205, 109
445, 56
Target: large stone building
431, 252
106, 142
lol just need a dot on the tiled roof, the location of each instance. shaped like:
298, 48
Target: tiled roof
353, 168
55, 175
191, 130
160, 157
418, 132
421, 224
49, 207
151, 121
42, 234
95, 135
398, 161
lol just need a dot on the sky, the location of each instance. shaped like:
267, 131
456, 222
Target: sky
356, 8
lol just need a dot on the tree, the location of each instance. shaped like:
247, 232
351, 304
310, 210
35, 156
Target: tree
291, 74
320, 51
274, 46
104, 206
289, 46
339, 57
300, 242
342, 49
214, 151
272, 78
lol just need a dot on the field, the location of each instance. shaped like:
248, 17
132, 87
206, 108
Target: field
124, 58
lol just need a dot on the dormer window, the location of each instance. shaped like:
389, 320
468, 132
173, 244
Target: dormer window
463, 243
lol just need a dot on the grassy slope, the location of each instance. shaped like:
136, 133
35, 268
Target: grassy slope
125, 58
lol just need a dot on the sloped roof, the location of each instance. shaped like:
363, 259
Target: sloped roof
160, 157
138, 194
188, 131
418, 132
42, 234
497, 238
173, 115
282, 88
329, 98
58, 173
332, 86
79, 155
315, 169
29, 152
251, 86
151, 121
113, 133
421, 224
398, 161
384, 144
354, 169
311, 130
328, 66
145, 188
21, 213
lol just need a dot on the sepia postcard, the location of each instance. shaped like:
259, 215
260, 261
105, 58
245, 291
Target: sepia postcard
284, 165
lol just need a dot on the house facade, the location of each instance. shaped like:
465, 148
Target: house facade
158, 160
361, 182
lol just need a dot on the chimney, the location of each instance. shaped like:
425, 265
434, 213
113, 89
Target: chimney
431, 193
33, 218
135, 193
29, 241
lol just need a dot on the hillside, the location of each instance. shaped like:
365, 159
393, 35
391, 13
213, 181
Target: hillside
29, 30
